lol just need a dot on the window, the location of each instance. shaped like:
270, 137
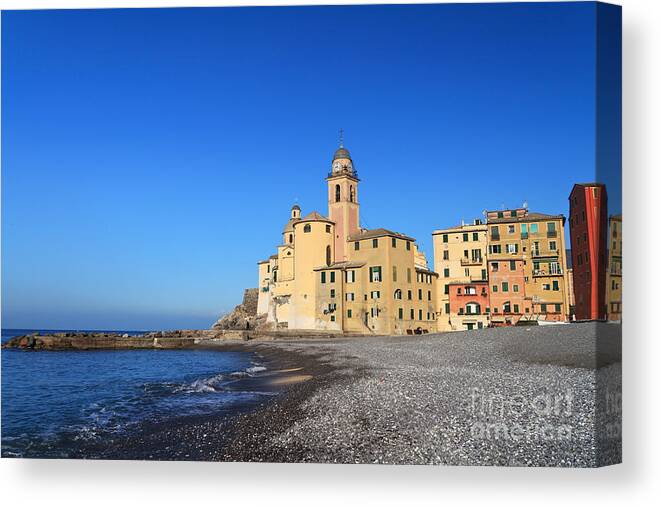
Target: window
494, 266
323, 277
458, 290
356, 245
446, 255
550, 227
533, 228
350, 296
505, 286
524, 231
543, 307
512, 265
475, 236
495, 249
495, 232
558, 308
501, 214
337, 193
507, 308
445, 238
516, 308
420, 294
349, 313
484, 274
546, 286
375, 243
291, 238
401, 313
351, 276
375, 273
470, 291
556, 285
328, 255
375, 294
412, 314
472, 309
494, 288
332, 293
515, 288
447, 307
408, 275
510, 229
332, 277
446, 272
332, 318
554, 268
394, 273
467, 272
419, 314
465, 236
513, 214
307, 228
428, 295
512, 248
398, 294
447, 289
409, 295
553, 245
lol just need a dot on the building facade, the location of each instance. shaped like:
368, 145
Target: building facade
588, 205
330, 274
614, 282
533, 244
460, 261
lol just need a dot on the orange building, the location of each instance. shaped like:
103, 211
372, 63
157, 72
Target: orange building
588, 228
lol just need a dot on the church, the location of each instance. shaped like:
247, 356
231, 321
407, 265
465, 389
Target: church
330, 274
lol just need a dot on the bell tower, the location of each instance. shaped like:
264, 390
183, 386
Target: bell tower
343, 207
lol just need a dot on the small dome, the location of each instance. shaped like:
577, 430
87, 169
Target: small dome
296, 206
342, 152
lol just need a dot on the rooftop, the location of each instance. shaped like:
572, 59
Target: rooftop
376, 233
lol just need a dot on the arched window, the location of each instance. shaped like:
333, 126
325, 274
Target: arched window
307, 228
337, 193
328, 255
352, 197
398, 294
472, 309
507, 307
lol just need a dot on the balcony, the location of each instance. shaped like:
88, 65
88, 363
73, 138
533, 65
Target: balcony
546, 272
544, 253
478, 278
551, 234
471, 261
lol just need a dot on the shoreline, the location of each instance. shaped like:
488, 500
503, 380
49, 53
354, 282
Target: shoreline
413, 400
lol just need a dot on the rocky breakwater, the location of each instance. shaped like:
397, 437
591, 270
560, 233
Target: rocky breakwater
91, 340
244, 316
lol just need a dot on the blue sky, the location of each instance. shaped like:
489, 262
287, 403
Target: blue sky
150, 157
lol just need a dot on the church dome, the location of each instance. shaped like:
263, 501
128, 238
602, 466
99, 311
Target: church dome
342, 152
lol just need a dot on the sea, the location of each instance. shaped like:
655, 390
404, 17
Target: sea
55, 402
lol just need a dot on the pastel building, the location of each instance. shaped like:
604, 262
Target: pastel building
532, 248
614, 282
588, 205
461, 263
331, 274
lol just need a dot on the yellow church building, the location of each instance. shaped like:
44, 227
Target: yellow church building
331, 274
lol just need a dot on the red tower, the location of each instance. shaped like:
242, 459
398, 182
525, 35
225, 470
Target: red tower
588, 229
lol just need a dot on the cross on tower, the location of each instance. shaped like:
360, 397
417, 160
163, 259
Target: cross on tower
341, 138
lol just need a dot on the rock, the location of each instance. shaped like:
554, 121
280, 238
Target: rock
244, 316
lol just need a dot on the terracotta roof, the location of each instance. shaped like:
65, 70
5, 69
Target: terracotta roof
530, 217
314, 216
376, 233
289, 226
